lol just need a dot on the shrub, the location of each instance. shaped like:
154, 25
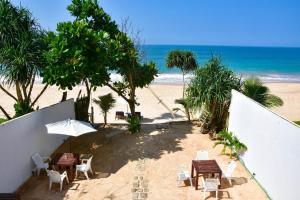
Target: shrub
22, 108
134, 125
228, 140
82, 108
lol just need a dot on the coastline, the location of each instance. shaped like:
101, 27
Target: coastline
150, 107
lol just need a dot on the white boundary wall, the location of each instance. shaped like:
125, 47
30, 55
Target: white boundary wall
24, 136
273, 146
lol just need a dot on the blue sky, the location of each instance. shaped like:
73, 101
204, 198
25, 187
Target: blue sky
199, 22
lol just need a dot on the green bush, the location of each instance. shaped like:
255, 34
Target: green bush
134, 125
228, 140
22, 108
82, 108
2, 120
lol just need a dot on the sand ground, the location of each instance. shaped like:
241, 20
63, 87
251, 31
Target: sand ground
152, 157
150, 107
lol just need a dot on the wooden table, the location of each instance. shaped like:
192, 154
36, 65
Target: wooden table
65, 160
205, 167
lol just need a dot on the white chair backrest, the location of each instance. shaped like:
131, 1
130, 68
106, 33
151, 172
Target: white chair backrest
38, 160
181, 168
210, 184
54, 176
202, 155
231, 167
89, 162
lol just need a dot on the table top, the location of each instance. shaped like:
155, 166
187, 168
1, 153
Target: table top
206, 166
65, 159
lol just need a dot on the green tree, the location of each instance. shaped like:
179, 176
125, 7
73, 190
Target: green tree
210, 92
82, 49
134, 73
105, 102
255, 89
184, 60
22, 47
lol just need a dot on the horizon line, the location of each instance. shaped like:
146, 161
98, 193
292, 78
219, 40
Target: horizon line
221, 45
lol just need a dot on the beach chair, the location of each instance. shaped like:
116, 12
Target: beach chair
56, 177
40, 162
183, 174
230, 169
202, 155
119, 115
84, 167
210, 185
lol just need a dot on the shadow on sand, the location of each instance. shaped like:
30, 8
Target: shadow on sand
113, 152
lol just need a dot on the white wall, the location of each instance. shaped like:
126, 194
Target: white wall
273, 146
24, 136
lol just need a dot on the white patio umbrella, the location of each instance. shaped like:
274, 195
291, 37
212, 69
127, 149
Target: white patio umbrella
70, 127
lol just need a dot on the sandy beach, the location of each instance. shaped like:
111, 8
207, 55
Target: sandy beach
151, 109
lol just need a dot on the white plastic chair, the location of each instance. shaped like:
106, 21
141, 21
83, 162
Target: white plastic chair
183, 175
39, 162
230, 169
84, 167
210, 185
56, 177
202, 155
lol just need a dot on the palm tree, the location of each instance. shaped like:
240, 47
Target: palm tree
184, 60
228, 140
210, 93
254, 89
105, 102
22, 44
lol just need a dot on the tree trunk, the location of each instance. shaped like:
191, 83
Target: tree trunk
39, 95
183, 90
5, 113
64, 96
18, 91
105, 119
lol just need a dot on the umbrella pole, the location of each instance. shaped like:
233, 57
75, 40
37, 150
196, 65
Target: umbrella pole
70, 143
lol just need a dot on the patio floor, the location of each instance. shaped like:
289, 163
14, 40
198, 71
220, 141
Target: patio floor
142, 166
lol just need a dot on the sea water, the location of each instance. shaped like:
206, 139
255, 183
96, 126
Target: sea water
271, 64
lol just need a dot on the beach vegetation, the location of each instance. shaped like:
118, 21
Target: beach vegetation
134, 125
2, 120
81, 50
254, 89
81, 108
185, 105
106, 103
91, 47
22, 46
184, 60
209, 92
231, 142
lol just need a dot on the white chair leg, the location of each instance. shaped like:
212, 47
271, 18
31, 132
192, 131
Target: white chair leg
76, 174
191, 181
86, 175
61, 185
67, 179
50, 185
204, 194
216, 194
91, 170
38, 171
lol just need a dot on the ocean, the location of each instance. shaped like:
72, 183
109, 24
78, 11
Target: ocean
270, 64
